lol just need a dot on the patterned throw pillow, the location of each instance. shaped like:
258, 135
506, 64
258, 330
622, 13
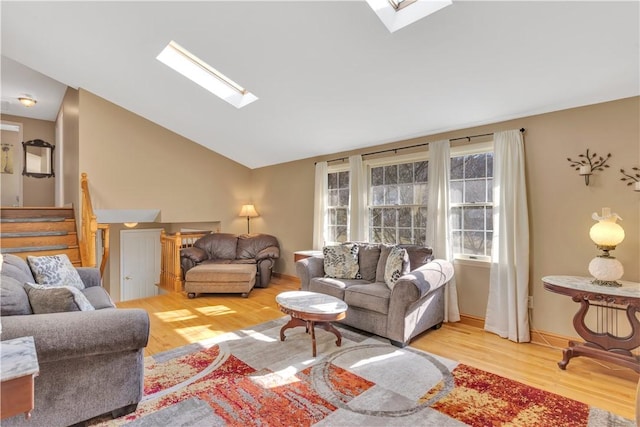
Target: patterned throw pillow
341, 262
56, 299
55, 270
394, 267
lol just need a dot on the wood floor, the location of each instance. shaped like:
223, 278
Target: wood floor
177, 320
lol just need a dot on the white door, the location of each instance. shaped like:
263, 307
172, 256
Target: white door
12, 158
139, 263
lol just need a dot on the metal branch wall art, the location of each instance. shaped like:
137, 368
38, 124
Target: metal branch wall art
587, 163
632, 178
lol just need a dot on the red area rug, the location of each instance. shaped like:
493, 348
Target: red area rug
250, 378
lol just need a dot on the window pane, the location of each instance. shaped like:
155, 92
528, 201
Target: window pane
389, 218
331, 216
489, 216
405, 172
474, 218
333, 180
404, 236
420, 219
456, 242
475, 166
420, 236
343, 179
376, 235
377, 176
489, 164
456, 218
389, 235
489, 242
391, 195
333, 198
406, 194
473, 242
457, 167
377, 194
341, 216
344, 197
341, 234
375, 218
404, 217
420, 194
421, 171
391, 174
455, 191
490, 190
475, 191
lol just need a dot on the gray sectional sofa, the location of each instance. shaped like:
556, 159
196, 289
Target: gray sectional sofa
414, 304
91, 362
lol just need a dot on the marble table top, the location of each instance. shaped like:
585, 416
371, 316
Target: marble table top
18, 358
628, 289
311, 302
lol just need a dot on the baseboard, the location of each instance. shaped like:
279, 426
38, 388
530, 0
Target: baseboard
286, 277
547, 339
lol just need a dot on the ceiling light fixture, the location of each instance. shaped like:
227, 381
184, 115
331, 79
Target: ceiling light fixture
397, 14
198, 71
27, 100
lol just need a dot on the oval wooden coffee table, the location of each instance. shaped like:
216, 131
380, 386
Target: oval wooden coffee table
310, 309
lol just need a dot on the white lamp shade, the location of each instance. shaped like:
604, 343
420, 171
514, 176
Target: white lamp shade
606, 233
248, 210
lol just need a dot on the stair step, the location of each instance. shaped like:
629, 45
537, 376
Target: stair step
33, 234
5, 250
66, 239
18, 212
68, 225
73, 254
33, 219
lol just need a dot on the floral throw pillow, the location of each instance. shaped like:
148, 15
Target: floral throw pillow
341, 261
54, 270
394, 267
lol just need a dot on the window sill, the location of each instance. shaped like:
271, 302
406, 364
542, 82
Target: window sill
473, 262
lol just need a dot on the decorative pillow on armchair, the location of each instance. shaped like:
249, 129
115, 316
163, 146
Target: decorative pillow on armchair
341, 261
55, 270
56, 299
394, 268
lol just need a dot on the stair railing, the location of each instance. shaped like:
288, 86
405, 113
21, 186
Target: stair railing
170, 269
90, 227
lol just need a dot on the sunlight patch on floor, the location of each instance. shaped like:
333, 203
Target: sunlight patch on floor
215, 310
175, 315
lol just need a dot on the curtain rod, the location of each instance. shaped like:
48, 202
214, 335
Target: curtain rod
395, 150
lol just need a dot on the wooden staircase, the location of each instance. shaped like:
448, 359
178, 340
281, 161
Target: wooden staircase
39, 231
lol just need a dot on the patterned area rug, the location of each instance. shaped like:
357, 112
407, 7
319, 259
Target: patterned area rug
251, 378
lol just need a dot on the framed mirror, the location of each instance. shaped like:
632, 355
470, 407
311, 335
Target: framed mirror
38, 159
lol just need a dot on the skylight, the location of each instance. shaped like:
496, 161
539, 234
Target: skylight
397, 14
198, 71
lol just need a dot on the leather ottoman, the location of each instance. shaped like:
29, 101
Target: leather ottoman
220, 278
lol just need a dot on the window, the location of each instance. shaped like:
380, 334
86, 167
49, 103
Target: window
471, 200
398, 203
338, 207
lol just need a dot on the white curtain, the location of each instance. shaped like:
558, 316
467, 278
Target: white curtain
438, 229
358, 213
507, 311
320, 205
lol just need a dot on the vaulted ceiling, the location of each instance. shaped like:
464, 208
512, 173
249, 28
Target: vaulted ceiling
329, 76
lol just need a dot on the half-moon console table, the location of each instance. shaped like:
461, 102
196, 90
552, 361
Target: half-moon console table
604, 343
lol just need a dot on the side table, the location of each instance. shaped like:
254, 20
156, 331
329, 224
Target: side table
18, 367
603, 343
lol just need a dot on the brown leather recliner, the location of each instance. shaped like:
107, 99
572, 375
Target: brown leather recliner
225, 248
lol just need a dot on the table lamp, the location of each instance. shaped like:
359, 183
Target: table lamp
606, 234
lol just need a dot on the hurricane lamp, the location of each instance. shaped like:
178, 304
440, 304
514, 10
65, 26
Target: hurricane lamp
606, 234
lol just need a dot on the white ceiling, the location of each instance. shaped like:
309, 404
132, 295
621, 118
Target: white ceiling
329, 76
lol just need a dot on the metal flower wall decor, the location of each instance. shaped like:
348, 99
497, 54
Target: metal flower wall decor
587, 163
632, 178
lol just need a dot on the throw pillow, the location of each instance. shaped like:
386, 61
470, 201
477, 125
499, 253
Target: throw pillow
341, 262
394, 266
55, 270
56, 299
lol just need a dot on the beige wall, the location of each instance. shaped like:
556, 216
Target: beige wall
35, 191
560, 205
71, 148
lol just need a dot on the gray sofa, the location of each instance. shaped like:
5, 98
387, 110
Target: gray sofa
91, 362
415, 304
224, 248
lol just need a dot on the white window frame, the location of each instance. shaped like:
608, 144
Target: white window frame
463, 150
341, 167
